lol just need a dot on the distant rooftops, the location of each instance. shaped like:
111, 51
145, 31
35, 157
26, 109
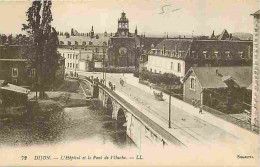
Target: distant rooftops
257, 13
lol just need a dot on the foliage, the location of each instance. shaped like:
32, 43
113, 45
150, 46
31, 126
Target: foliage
41, 47
166, 78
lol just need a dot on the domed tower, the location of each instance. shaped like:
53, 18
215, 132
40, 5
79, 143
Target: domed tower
123, 26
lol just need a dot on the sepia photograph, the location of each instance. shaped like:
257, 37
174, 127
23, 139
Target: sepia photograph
129, 82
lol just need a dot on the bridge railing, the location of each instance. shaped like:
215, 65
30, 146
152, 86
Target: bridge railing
139, 115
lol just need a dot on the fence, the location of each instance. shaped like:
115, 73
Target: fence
115, 70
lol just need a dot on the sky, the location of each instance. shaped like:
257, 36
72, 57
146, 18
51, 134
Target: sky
150, 16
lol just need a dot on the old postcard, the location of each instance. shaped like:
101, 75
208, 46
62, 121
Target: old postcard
129, 82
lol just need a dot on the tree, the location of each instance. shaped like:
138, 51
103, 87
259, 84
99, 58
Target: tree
41, 47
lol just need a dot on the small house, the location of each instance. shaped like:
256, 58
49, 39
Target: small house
222, 88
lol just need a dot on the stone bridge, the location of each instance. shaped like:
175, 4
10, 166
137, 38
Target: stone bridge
141, 129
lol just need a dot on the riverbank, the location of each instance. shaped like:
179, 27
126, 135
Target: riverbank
67, 95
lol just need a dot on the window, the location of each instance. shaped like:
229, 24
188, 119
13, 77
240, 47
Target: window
73, 65
151, 69
68, 64
90, 43
179, 55
228, 54
76, 56
68, 56
73, 56
96, 50
193, 54
63, 55
171, 65
14, 81
69, 43
84, 43
33, 72
179, 67
217, 55
241, 55
192, 83
205, 53
14, 72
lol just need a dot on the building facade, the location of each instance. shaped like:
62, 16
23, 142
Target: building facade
222, 88
97, 43
255, 81
16, 70
178, 55
124, 46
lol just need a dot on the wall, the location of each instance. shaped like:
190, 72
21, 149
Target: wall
140, 134
189, 93
82, 65
163, 64
71, 59
6, 67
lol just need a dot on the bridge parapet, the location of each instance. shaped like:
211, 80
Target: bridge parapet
140, 128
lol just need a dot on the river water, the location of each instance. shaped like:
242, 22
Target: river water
68, 125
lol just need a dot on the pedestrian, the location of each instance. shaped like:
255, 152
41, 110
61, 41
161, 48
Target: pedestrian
114, 87
200, 111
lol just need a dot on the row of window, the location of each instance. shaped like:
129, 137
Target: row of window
70, 56
72, 65
172, 68
15, 72
193, 54
179, 67
83, 43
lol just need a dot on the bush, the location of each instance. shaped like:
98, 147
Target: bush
166, 78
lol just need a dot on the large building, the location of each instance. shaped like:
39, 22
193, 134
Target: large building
97, 43
178, 55
126, 48
255, 81
124, 45
78, 60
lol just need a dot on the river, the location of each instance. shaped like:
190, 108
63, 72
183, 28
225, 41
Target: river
66, 126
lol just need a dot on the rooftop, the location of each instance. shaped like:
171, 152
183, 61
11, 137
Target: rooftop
215, 77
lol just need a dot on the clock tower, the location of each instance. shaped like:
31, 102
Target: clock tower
123, 26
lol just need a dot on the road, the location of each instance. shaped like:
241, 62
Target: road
192, 127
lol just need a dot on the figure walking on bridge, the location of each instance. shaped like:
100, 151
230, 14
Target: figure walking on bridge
200, 110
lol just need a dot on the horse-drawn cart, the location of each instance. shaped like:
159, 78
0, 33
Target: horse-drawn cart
158, 96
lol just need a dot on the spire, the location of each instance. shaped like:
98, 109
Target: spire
213, 35
136, 30
92, 32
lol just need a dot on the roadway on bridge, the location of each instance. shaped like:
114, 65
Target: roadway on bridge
190, 126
